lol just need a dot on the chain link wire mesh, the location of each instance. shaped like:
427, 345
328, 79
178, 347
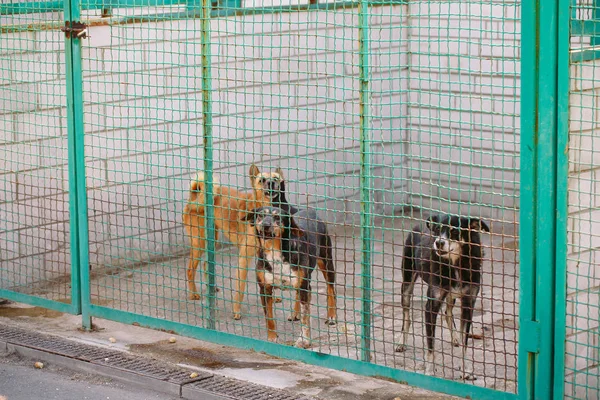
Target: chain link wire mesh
287, 80
34, 200
582, 374
443, 133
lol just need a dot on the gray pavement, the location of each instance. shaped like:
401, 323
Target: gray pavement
19, 380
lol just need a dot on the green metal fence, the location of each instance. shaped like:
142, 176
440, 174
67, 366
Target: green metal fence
378, 114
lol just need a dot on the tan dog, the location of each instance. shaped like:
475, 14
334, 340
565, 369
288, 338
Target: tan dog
231, 205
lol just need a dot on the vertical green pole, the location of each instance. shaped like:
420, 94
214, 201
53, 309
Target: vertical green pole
538, 224
77, 186
365, 177
562, 185
208, 158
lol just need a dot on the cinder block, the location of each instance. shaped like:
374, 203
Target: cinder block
9, 245
168, 163
49, 94
17, 42
20, 156
54, 151
118, 115
160, 55
338, 137
56, 208
127, 169
48, 41
343, 88
108, 88
58, 263
128, 223
585, 228
327, 64
395, 14
7, 128
107, 144
335, 162
135, 33
167, 109
8, 188
34, 67
583, 271
581, 191
39, 125
333, 113
587, 384
235, 48
18, 98
132, 58
20, 215
289, 94
42, 182
287, 69
389, 129
42, 239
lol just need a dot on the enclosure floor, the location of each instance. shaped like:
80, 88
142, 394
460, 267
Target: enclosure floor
159, 290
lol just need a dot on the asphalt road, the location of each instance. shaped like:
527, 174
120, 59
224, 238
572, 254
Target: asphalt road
19, 380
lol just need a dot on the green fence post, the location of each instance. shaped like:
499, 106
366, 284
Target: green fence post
562, 185
541, 100
365, 177
208, 158
77, 184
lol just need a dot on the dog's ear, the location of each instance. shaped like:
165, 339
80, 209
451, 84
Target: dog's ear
478, 225
251, 215
279, 172
254, 171
295, 229
433, 220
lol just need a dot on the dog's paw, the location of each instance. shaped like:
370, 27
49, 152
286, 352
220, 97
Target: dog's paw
195, 296
401, 348
430, 370
237, 316
302, 343
468, 376
293, 317
273, 339
455, 342
330, 322
277, 300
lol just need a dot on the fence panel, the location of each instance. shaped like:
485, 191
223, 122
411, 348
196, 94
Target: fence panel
379, 116
581, 359
35, 228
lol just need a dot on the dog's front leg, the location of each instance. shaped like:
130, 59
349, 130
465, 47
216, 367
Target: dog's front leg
296, 311
432, 309
450, 301
241, 274
407, 291
266, 298
466, 320
304, 339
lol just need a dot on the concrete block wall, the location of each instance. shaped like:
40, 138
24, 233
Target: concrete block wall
34, 223
582, 360
285, 94
463, 151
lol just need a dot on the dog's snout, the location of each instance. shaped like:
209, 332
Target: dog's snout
438, 244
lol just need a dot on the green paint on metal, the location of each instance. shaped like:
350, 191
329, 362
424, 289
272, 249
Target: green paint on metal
208, 157
39, 301
365, 184
562, 197
77, 177
307, 356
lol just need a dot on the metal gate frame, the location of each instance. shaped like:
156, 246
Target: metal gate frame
543, 208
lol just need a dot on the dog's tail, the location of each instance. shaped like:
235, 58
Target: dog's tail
196, 198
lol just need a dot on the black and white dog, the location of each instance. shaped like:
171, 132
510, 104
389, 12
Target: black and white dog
274, 189
448, 258
289, 248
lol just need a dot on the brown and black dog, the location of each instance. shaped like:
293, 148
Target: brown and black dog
231, 205
289, 247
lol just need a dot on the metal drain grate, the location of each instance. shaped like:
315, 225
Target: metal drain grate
244, 390
140, 365
149, 368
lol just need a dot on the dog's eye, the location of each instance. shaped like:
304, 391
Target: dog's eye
261, 179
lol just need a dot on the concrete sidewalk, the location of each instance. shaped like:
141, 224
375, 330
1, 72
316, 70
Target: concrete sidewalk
195, 355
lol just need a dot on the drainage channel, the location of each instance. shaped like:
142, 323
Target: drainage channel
137, 369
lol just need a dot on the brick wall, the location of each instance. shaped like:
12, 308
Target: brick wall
583, 268
443, 115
